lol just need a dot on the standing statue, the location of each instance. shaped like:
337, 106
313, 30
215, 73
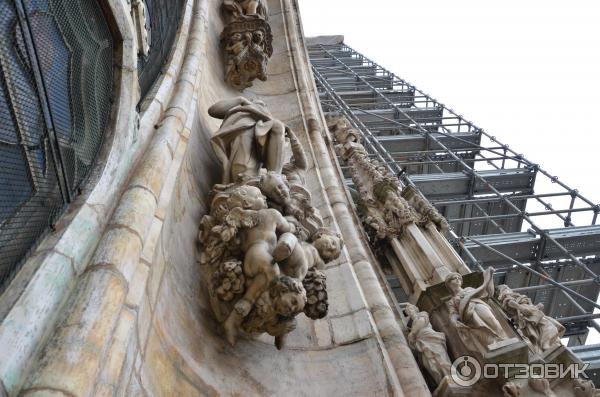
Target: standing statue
470, 314
430, 344
542, 331
248, 138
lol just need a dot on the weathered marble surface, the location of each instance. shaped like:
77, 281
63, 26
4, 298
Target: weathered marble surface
186, 353
135, 319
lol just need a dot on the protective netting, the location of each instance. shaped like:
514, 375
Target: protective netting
164, 18
55, 97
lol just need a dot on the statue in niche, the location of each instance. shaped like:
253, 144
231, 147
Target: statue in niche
543, 332
249, 138
470, 314
263, 245
430, 344
247, 40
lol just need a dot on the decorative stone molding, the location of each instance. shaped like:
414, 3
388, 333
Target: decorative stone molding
384, 211
139, 14
247, 42
402, 225
263, 245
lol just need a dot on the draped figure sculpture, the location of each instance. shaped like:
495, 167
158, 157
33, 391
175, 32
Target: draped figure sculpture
470, 314
248, 138
247, 42
430, 344
543, 332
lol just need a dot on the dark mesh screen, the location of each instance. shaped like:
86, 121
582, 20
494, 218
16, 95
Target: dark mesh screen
55, 88
164, 17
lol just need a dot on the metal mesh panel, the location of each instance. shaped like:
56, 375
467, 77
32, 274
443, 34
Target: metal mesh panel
55, 88
164, 17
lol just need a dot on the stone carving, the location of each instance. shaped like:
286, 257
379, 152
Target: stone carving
427, 213
249, 138
263, 245
430, 344
542, 386
247, 41
470, 314
139, 13
543, 332
511, 389
383, 209
584, 388
244, 9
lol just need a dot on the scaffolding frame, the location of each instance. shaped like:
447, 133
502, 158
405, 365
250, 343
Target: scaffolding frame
425, 143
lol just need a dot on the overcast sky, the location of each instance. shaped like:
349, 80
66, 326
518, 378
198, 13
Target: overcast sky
525, 71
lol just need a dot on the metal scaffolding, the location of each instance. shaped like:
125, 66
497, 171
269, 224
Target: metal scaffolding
504, 210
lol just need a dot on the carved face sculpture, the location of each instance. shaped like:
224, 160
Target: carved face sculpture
258, 37
454, 282
290, 303
328, 245
273, 185
411, 310
247, 197
288, 296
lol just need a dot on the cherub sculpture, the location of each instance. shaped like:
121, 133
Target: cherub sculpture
542, 331
258, 227
293, 202
296, 258
262, 259
305, 261
275, 309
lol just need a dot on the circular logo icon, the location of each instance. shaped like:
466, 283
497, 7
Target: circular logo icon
465, 371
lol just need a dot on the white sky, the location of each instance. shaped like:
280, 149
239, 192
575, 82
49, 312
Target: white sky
527, 71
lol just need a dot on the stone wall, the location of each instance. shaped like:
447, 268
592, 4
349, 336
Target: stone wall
129, 314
